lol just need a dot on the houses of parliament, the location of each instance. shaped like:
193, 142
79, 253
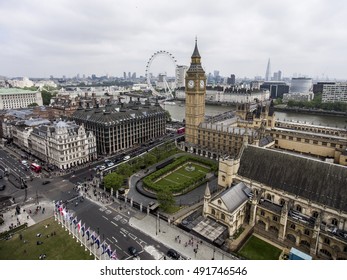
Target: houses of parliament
285, 182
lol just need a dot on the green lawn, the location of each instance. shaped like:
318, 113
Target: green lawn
60, 246
257, 249
182, 174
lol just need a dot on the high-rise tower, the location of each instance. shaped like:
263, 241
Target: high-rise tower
195, 89
268, 71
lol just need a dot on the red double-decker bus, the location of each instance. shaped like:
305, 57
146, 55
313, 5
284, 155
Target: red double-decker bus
35, 167
181, 130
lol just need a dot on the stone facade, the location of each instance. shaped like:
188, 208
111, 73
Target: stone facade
295, 201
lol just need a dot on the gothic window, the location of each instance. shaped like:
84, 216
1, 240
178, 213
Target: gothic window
307, 232
315, 214
305, 243
275, 218
334, 222
219, 202
222, 217
298, 208
213, 212
262, 213
268, 196
325, 252
292, 226
326, 240
282, 201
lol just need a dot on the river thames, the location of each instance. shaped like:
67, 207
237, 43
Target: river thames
177, 112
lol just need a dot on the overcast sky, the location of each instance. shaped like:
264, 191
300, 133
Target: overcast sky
66, 37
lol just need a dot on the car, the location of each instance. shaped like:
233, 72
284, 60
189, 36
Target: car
45, 182
3, 187
173, 254
110, 163
132, 250
102, 167
126, 157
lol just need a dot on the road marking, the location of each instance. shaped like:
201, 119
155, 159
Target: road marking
141, 241
114, 224
132, 236
123, 234
118, 217
110, 240
114, 239
124, 230
124, 221
108, 212
105, 217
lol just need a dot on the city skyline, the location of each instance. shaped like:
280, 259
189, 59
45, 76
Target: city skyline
107, 37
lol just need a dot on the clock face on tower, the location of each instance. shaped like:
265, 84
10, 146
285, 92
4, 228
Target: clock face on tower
202, 84
190, 83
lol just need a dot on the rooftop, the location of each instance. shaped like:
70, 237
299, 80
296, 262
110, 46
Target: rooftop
15, 91
314, 180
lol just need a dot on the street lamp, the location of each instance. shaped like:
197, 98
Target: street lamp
156, 226
158, 220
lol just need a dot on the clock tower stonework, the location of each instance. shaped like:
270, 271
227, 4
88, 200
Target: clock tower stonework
195, 91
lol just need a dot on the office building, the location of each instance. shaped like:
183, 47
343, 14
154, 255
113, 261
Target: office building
13, 98
121, 126
335, 92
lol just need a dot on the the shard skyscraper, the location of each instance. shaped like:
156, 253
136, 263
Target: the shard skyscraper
268, 71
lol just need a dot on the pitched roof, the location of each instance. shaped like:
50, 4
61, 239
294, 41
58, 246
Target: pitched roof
315, 180
235, 196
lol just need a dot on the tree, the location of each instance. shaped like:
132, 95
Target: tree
113, 181
46, 97
165, 199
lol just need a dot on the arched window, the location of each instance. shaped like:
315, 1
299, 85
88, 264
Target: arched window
222, 217
268, 196
292, 226
275, 218
315, 214
223, 178
305, 243
298, 208
282, 202
325, 252
334, 222
219, 202
327, 240
307, 232
262, 213
213, 212
345, 249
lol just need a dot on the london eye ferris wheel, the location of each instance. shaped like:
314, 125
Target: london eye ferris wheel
166, 86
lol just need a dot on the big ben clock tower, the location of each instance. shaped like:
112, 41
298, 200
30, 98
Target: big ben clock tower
195, 88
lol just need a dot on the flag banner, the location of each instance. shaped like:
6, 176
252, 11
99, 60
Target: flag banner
75, 221
71, 219
103, 247
114, 255
88, 233
79, 225
93, 236
83, 228
97, 241
109, 251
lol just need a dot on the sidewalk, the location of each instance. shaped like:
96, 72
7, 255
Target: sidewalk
28, 214
177, 239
